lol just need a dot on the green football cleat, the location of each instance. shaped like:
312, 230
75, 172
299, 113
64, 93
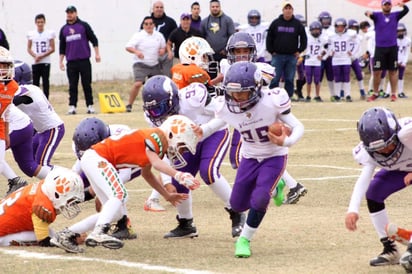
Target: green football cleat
242, 248
279, 197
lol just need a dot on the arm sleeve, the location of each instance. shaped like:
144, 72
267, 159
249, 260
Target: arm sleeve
303, 43
269, 40
297, 129
360, 188
62, 43
403, 12
212, 126
90, 35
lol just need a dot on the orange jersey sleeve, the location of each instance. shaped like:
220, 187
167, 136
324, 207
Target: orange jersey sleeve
17, 208
184, 75
129, 150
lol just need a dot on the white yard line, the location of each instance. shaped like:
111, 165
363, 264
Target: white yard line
44, 256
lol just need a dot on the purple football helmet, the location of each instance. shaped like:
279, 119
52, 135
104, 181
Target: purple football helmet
315, 29
401, 30
251, 15
22, 73
242, 77
160, 99
378, 128
325, 19
240, 40
88, 132
353, 24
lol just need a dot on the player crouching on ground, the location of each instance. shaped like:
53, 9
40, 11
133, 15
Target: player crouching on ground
142, 148
386, 143
26, 214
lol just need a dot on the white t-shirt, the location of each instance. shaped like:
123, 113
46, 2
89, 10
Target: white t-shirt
149, 45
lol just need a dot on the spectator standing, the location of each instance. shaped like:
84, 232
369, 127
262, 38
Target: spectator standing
40, 44
3, 40
180, 34
386, 47
195, 17
74, 39
217, 28
165, 25
146, 46
286, 40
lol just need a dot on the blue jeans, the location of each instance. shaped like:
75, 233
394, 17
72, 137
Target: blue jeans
285, 66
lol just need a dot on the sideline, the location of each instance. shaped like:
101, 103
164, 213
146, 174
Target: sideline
44, 256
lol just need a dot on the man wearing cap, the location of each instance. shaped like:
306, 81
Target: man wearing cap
74, 39
180, 34
286, 39
217, 28
386, 46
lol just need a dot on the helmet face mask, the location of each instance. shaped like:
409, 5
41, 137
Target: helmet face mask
6, 65
181, 139
378, 129
65, 190
88, 132
237, 45
242, 85
160, 99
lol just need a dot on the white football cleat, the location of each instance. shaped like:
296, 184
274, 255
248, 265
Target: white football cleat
153, 205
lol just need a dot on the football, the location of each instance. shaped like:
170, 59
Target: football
276, 128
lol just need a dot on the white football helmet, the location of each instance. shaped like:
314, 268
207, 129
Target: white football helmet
65, 189
180, 137
6, 72
195, 50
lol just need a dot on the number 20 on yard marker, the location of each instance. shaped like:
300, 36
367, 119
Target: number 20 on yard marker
111, 103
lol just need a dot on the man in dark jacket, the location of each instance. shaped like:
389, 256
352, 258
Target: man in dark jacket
165, 25
286, 39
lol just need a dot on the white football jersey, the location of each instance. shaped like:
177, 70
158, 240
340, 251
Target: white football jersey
405, 160
340, 48
40, 111
316, 47
259, 34
196, 104
41, 43
253, 124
